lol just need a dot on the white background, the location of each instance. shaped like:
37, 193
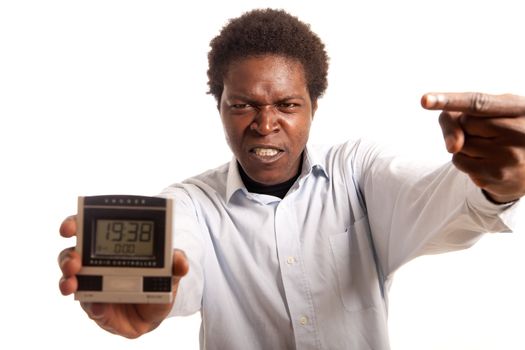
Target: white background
108, 96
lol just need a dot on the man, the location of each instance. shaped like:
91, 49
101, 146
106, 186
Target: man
292, 246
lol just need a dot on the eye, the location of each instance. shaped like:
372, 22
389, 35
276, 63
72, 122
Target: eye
287, 106
240, 106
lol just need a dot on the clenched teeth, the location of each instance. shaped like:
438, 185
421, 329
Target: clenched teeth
265, 152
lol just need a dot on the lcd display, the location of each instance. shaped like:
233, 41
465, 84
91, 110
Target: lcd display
124, 238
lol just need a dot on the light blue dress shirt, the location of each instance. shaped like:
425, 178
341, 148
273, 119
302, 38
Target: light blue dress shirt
312, 271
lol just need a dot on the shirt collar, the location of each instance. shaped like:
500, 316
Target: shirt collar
233, 182
311, 165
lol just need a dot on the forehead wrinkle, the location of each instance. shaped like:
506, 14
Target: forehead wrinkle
255, 100
265, 79
282, 88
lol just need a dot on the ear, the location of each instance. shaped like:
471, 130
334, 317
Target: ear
314, 107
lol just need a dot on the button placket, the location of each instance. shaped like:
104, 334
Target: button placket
293, 276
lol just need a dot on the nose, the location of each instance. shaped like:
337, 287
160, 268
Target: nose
266, 120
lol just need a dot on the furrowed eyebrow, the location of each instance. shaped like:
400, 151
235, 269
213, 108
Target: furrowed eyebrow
240, 97
290, 98
252, 100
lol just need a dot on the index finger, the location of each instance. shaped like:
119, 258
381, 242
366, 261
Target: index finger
475, 103
68, 228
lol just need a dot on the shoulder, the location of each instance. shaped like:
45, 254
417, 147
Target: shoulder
209, 183
352, 153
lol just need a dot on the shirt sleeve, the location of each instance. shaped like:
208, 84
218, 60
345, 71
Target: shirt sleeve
187, 237
415, 210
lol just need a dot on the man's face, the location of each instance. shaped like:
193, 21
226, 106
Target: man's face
266, 112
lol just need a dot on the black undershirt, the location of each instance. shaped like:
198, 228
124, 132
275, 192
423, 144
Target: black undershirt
278, 190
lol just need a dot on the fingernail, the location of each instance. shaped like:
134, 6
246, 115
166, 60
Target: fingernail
430, 101
434, 100
94, 310
97, 310
450, 142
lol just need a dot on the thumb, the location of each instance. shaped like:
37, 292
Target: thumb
452, 131
180, 269
180, 264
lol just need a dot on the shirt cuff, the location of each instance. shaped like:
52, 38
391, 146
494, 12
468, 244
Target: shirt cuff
508, 213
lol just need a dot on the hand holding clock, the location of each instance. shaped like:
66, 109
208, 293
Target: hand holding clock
128, 320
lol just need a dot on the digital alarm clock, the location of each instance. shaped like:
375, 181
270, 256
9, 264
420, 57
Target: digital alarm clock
125, 247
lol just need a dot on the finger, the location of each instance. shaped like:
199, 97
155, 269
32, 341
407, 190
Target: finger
104, 315
479, 147
155, 313
486, 127
452, 131
180, 268
180, 263
68, 228
472, 166
68, 285
497, 153
69, 262
475, 103
482, 169
108, 316
95, 311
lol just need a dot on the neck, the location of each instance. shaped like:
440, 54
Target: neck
277, 190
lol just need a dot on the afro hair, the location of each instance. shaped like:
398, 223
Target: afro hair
266, 32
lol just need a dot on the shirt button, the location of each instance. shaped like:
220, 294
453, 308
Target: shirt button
290, 260
303, 320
